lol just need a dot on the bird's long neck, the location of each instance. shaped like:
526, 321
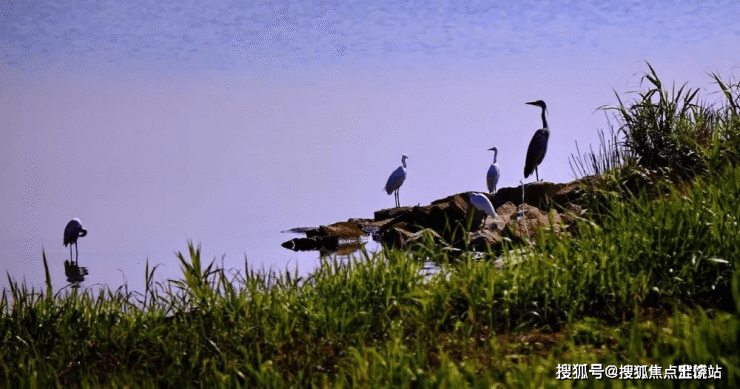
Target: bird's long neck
495, 154
403, 161
544, 120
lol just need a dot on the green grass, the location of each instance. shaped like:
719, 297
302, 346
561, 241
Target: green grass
653, 281
663, 136
378, 321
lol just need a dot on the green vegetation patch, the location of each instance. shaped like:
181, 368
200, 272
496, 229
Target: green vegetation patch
651, 279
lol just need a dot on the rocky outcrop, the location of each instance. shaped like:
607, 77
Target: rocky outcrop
451, 221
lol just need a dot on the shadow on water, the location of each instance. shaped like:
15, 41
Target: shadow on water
318, 239
75, 274
327, 245
341, 247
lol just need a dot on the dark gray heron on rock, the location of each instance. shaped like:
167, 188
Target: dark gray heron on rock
396, 180
538, 144
72, 232
493, 172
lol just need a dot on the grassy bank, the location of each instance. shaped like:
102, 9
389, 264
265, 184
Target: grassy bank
652, 282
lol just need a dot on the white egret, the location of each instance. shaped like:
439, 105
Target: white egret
538, 144
483, 203
73, 231
493, 173
396, 180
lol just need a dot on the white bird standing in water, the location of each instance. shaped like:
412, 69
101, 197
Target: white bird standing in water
538, 144
396, 180
493, 173
72, 232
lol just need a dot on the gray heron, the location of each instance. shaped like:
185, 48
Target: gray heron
493, 173
396, 180
538, 144
72, 232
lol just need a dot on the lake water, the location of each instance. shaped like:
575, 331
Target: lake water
157, 122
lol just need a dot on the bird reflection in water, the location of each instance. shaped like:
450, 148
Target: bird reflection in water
75, 274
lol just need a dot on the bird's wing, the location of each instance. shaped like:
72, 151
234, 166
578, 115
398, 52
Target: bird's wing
492, 177
72, 231
483, 203
69, 232
395, 180
536, 151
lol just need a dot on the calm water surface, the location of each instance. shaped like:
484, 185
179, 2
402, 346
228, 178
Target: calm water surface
158, 122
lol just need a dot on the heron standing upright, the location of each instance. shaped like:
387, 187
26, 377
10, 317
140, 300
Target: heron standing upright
538, 144
396, 180
73, 231
493, 172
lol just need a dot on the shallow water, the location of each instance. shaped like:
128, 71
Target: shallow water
160, 122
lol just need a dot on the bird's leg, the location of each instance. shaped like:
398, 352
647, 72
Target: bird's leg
70, 252
523, 186
537, 173
77, 253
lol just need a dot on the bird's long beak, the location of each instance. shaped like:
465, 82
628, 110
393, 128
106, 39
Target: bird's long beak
83, 232
531, 103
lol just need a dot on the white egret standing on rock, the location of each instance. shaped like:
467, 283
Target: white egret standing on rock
538, 144
396, 180
73, 231
493, 173
483, 203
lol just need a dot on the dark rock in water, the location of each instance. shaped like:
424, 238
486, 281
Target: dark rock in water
302, 230
313, 243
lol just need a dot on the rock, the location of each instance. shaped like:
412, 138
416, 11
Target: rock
541, 194
532, 219
449, 217
395, 237
436, 216
344, 230
389, 213
312, 243
483, 240
400, 238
